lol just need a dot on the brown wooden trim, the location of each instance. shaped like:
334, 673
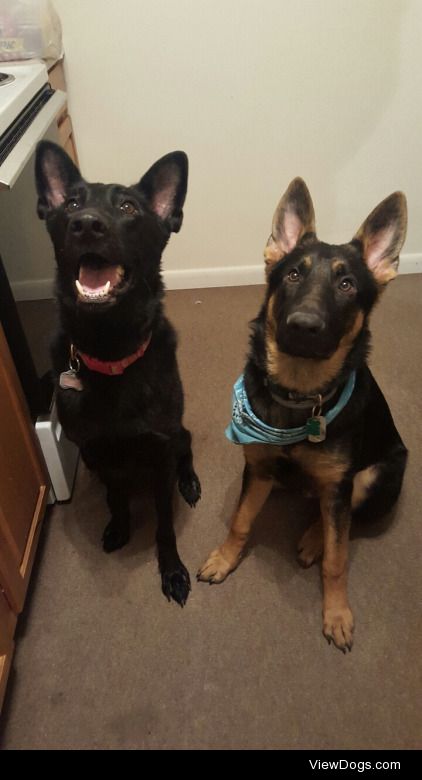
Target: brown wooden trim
8, 540
7, 630
10, 579
5, 664
27, 560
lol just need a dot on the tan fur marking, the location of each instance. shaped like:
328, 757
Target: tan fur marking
325, 468
307, 261
257, 453
338, 621
338, 265
272, 254
362, 482
261, 457
306, 375
384, 273
226, 557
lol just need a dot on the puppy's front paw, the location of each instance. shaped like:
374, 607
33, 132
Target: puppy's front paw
216, 567
115, 536
190, 488
339, 627
175, 584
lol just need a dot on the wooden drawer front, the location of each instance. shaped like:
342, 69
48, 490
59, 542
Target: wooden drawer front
19, 485
21, 464
23, 483
7, 630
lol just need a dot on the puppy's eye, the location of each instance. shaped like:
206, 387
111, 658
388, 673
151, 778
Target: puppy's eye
346, 285
72, 205
128, 208
293, 275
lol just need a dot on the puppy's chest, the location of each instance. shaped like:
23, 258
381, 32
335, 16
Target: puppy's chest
300, 466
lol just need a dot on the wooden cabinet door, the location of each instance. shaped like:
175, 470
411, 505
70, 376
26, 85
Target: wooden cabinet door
23, 484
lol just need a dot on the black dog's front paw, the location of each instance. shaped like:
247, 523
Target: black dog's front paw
190, 488
115, 536
175, 584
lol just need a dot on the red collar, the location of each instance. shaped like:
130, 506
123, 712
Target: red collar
110, 367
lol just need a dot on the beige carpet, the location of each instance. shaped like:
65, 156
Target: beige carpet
103, 661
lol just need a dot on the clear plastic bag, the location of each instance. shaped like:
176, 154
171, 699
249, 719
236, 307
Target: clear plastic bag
29, 29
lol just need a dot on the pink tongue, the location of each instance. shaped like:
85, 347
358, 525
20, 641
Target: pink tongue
95, 278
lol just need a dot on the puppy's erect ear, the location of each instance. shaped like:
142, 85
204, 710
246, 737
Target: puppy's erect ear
164, 187
294, 216
382, 236
54, 174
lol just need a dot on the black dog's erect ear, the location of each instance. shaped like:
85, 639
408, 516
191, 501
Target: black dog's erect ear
382, 236
293, 217
54, 174
164, 187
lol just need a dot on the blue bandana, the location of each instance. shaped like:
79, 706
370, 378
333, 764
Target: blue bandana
247, 428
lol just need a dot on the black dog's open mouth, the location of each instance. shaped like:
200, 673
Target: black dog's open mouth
99, 281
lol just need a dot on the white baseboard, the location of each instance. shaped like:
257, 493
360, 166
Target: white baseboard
411, 264
33, 289
231, 276
192, 278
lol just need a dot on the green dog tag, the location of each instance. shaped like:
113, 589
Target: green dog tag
316, 429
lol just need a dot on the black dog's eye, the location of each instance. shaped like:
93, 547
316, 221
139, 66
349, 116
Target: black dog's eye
128, 208
293, 275
72, 205
346, 285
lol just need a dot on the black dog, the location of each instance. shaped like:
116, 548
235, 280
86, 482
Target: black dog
122, 399
307, 371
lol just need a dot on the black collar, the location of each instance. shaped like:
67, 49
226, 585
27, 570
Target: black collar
295, 400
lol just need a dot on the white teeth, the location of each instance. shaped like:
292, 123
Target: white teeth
93, 295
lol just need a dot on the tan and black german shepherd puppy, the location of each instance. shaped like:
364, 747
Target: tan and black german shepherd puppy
307, 408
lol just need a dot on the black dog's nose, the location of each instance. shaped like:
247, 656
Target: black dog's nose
305, 322
88, 226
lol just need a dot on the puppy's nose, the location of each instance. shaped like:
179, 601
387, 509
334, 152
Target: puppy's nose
88, 226
305, 322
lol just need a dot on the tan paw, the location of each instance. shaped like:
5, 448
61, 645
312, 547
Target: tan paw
216, 568
339, 626
311, 545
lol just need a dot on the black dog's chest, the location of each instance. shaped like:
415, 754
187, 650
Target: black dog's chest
109, 409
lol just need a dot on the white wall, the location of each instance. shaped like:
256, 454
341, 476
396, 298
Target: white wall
256, 92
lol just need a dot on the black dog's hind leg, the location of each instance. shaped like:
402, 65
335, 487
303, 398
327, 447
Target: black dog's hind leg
117, 532
189, 485
175, 580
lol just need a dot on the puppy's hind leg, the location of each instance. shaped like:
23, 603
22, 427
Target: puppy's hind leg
175, 580
188, 482
117, 532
